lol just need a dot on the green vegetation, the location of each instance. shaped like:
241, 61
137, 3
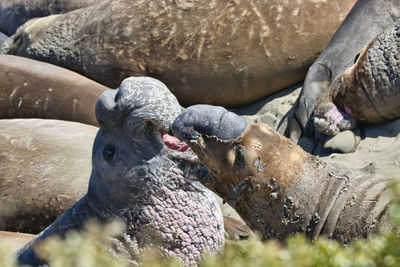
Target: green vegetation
91, 248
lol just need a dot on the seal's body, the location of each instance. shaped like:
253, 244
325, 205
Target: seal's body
228, 53
366, 93
277, 187
33, 89
137, 179
44, 168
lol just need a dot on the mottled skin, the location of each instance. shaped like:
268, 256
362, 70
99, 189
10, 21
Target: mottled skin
366, 20
14, 13
44, 169
34, 89
275, 186
139, 180
228, 53
366, 93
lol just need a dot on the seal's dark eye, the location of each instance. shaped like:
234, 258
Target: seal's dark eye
108, 152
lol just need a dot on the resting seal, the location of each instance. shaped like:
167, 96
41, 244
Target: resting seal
366, 93
136, 178
34, 89
44, 169
14, 13
366, 20
277, 187
228, 53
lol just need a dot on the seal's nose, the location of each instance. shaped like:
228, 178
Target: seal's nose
209, 121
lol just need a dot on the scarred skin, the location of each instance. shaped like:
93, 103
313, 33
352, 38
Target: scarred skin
366, 20
366, 93
14, 13
140, 181
228, 53
277, 187
33, 89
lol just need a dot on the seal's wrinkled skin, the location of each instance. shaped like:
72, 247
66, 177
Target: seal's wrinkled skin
275, 186
366, 93
228, 53
14, 13
139, 180
366, 20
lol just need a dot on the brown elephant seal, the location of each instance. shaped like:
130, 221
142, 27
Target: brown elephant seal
277, 187
366, 20
34, 89
14, 13
44, 169
366, 93
139, 180
227, 53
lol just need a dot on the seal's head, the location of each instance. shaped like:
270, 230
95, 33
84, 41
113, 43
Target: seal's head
214, 135
136, 177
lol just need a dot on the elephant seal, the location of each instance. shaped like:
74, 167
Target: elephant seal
139, 180
34, 89
366, 20
227, 53
366, 93
14, 13
275, 186
44, 169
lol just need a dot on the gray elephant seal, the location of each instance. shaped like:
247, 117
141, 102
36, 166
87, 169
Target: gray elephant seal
137, 179
228, 53
366, 20
14, 13
275, 186
366, 93
34, 89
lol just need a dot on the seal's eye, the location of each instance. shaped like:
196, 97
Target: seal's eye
108, 152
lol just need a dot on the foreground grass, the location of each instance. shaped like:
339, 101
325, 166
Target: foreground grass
91, 248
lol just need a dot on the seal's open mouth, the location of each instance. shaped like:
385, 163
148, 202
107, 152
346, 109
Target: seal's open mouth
174, 143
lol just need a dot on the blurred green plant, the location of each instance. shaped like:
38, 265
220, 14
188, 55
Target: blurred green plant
92, 248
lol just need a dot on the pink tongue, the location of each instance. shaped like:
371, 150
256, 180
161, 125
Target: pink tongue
174, 143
